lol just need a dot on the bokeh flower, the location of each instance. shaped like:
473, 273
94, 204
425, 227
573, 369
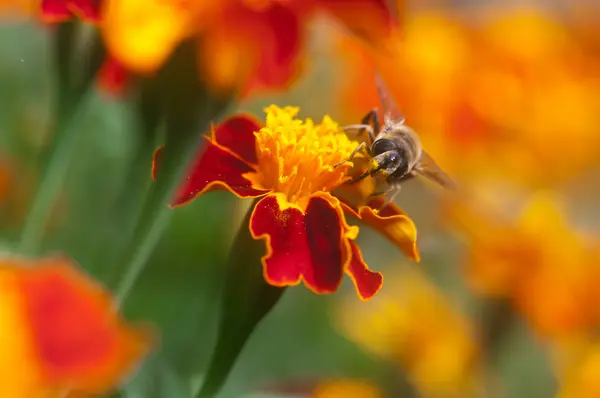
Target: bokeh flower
59, 332
61, 10
241, 42
413, 324
112, 76
490, 93
346, 388
525, 249
289, 165
582, 378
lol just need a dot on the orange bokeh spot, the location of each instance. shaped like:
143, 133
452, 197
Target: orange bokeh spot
69, 337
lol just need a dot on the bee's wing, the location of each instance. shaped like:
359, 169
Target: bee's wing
427, 167
390, 111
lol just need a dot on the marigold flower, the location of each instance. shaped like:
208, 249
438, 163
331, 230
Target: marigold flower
550, 276
288, 164
347, 389
471, 86
582, 380
241, 42
413, 325
59, 332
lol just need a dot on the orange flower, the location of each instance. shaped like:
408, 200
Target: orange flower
497, 96
412, 323
289, 165
582, 380
346, 389
59, 332
242, 42
537, 259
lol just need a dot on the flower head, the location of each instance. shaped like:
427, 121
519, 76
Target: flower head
472, 88
59, 332
241, 42
534, 257
346, 388
288, 164
413, 325
296, 157
582, 378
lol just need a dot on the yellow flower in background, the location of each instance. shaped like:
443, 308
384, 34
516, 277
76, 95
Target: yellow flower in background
347, 389
525, 249
59, 333
582, 380
241, 43
506, 92
413, 324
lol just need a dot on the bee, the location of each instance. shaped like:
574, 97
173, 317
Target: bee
394, 149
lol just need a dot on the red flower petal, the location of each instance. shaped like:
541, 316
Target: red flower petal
55, 10
113, 77
300, 246
86, 9
215, 169
391, 222
277, 31
59, 10
279, 63
237, 135
367, 282
373, 20
80, 341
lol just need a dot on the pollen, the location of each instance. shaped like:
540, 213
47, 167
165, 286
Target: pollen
297, 157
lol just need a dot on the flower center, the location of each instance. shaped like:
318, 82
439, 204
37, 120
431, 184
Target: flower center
296, 157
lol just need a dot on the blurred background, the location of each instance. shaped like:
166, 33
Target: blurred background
504, 94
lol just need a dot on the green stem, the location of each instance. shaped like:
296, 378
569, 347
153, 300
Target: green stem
188, 108
54, 171
246, 299
70, 96
154, 219
126, 210
155, 214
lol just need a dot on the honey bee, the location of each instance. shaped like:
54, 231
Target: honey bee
394, 149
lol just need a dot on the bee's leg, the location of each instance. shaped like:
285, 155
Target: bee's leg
391, 195
360, 128
372, 119
360, 146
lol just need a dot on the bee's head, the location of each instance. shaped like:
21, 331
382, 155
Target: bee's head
392, 162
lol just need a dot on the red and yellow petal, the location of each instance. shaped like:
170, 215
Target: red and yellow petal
372, 20
301, 245
214, 169
391, 222
60, 10
255, 47
281, 44
237, 134
64, 332
142, 34
367, 282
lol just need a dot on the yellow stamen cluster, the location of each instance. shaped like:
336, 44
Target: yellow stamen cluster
296, 157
